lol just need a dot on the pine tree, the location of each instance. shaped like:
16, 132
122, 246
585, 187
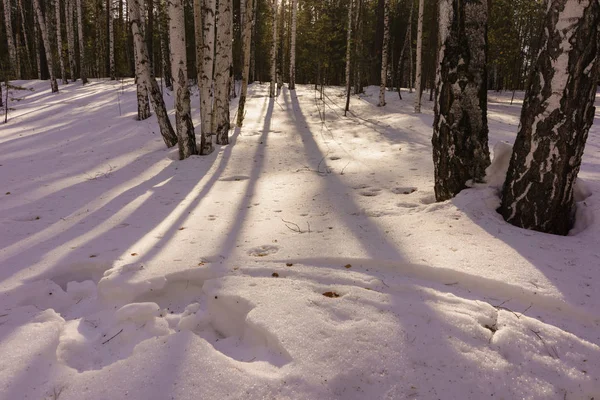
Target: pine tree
557, 114
460, 132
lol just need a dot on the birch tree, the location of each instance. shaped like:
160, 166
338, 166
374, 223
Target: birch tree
558, 111
12, 50
223, 69
46, 43
71, 39
197, 7
273, 50
246, 43
145, 76
206, 94
82, 70
186, 138
25, 39
406, 44
111, 40
165, 53
358, 88
348, 55
61, 57
294, 5
140, 63
460, 132
384, 52
419, 59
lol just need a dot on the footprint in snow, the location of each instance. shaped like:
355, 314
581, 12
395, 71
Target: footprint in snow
404, 190
370, 192
264, 250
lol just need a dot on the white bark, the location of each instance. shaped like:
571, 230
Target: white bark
206, 93
82, 71
111, 41
26, 40
223, 70
12, 50
71, 38
293, 45
419, 58
186, 138
273, 50
145, 77
384, 52
349, 46
246, 42
61, 57
37, 46
143, 105
46, 43
197, 6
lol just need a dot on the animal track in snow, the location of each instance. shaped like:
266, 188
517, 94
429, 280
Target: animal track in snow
404, 190
264, 250
370, 192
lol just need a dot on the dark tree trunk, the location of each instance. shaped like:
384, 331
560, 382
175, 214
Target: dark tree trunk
150, 34
460, 131
558, 111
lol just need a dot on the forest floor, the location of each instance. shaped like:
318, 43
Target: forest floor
305, 260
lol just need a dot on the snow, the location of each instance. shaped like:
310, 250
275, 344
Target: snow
306, 260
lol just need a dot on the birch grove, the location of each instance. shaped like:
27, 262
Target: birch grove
71, 39
82, 60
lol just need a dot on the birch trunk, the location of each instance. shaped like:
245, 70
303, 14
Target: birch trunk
26, 40
164, 45
197, 6
186, 138
145, 76
419, 59
293, 45
384, 52
111, 40
82, 71
273, 50
223, 70
253, 45
557, 114
460, 131
358, 88
37, 46
402, 52
71, 39
246, 41
61, 57
12, 50
143, 105
206, 94
46, 44
348, 56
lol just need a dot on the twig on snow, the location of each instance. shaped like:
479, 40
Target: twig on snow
112, 337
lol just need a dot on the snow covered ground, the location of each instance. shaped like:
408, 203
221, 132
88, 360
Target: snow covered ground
307, 260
